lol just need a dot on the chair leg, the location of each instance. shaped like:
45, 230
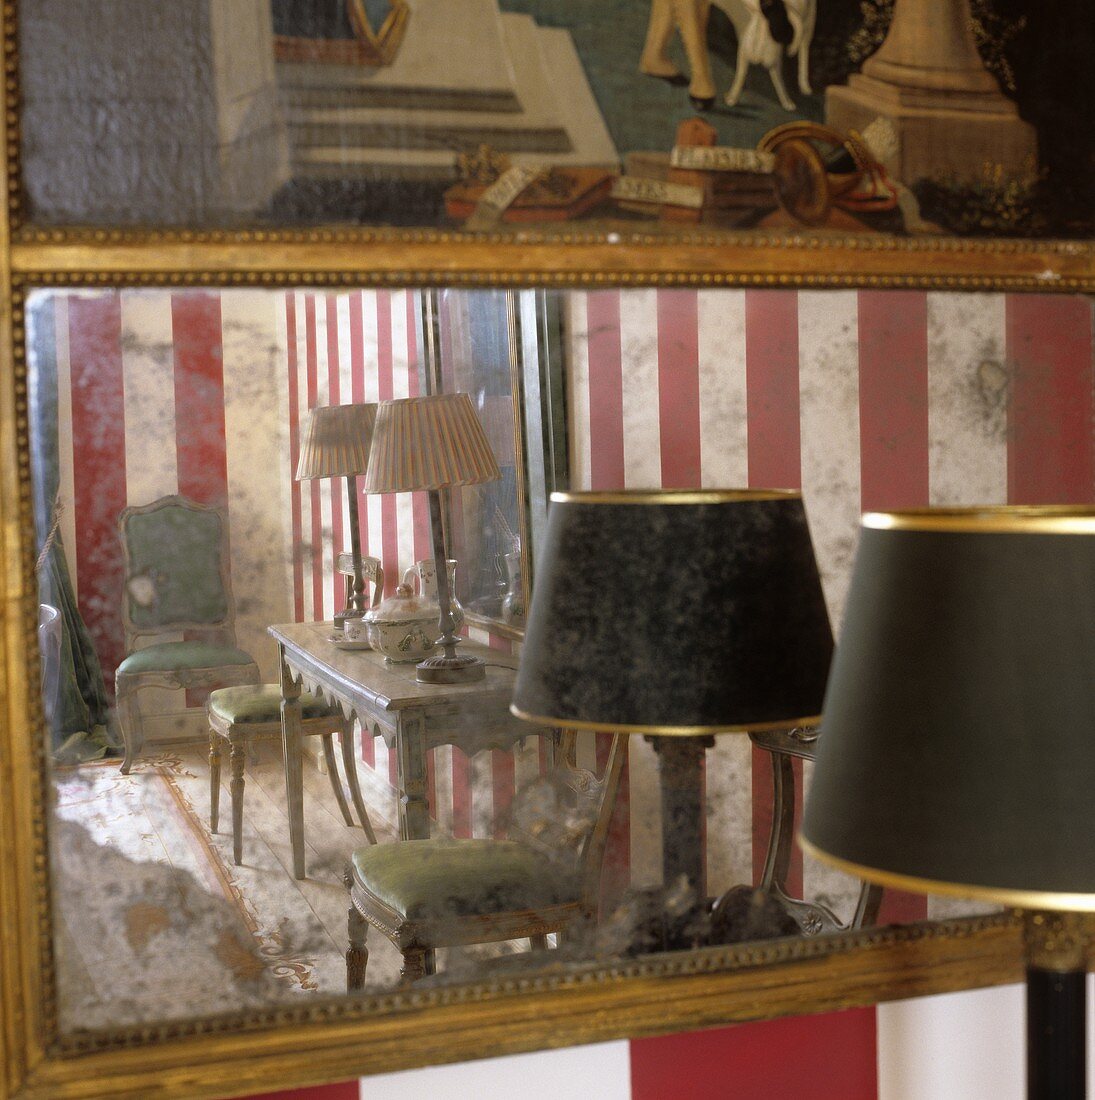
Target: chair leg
414, 965
214, 779
332, 775
539, 942
238, 759
357, 953
129, 722
349, 763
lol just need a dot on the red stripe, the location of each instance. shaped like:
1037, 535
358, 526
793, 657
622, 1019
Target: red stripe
199, 397
772, 400
893, 399
503, 768
368, 748
337, 484
386, 383
1049, 348
294, 454
774, 445
833, 1056
606, 390
99, 475
679, 387
893, 424
314, 487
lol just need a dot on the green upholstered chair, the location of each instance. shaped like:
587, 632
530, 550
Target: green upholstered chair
544, 877
176, 582
240, 715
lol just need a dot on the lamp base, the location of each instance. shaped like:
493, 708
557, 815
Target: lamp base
459, 669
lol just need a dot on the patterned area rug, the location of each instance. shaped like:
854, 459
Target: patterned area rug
154, 920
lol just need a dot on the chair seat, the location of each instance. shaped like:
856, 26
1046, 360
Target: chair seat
422, 879
175, 656
262, 703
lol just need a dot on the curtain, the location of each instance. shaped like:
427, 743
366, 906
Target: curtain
81, 718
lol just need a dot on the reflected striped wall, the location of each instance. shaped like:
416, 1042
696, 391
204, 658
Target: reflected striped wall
861, 399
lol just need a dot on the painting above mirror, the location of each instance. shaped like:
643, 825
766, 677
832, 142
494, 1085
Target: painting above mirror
909, 119
199, 397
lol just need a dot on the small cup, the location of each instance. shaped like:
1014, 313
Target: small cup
353, 630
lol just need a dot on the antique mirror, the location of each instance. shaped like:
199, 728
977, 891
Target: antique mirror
183, 293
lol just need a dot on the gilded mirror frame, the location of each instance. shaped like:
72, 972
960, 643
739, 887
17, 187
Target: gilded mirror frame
241, 1053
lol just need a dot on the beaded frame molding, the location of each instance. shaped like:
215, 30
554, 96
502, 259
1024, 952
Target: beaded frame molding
242, 1052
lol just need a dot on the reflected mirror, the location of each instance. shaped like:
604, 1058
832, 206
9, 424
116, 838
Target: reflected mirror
202, 870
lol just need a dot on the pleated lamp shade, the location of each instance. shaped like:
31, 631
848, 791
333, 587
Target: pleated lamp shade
336, 441
433, 442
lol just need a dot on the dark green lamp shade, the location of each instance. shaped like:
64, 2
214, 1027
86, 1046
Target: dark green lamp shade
675, 613
958, 740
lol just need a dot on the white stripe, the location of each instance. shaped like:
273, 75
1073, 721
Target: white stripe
65, 458
958, 1046
729, 779
311, 613
369, 341
602, 1070
151, 451
577, 342
481, 789
148, 374
724, 434
442, 785
641, 423
968, 391
253, 398
829, 401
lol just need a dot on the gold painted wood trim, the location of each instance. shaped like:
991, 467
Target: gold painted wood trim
350, 257
1015, 519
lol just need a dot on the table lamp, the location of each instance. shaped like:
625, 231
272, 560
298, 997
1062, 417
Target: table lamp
959, 747
433, 443
335, 443
680, 615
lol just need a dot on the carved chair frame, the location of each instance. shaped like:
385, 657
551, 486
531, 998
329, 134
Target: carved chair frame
245, 1052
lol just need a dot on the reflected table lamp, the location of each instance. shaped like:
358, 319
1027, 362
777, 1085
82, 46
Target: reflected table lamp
959, 747
433, 443
335, 443
680, 615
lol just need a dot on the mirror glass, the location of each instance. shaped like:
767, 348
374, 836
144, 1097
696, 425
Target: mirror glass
182, 411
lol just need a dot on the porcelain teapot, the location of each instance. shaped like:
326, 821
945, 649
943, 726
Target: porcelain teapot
404, 626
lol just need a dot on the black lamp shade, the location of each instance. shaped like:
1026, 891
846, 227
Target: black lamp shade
686, 613
958, 745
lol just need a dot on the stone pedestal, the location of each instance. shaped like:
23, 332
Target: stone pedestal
139, 113
950, 117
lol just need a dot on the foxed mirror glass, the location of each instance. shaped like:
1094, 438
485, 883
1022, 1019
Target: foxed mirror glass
862, 400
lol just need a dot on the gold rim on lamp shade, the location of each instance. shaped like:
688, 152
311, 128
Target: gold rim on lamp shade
673, 496
1019, 899
336, 441
661, 731
1029, 519
433, 442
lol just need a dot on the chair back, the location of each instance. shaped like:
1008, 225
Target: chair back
176, 569
371, 572
565, 814
49, 645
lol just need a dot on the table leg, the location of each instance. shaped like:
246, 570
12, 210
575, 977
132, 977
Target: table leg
414, 804
292, 756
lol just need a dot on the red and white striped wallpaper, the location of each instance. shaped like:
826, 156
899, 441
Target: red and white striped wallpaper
869, 399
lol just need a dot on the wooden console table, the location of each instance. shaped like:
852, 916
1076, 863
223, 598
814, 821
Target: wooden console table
388, 701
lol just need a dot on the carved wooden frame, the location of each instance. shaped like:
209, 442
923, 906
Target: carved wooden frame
238, 1053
